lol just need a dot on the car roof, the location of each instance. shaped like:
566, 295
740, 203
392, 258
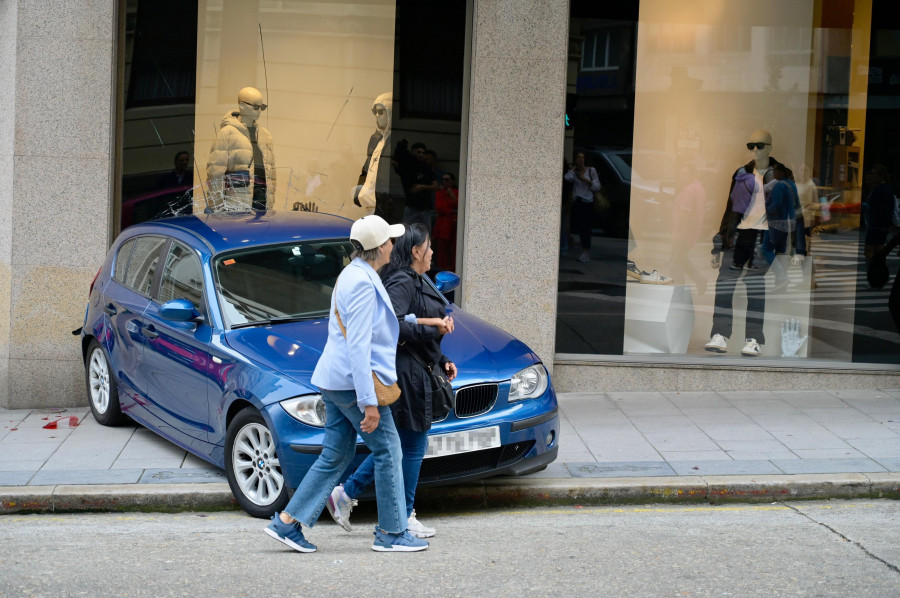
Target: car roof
231, 230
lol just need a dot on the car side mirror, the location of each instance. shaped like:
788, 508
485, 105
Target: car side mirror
446, 281
179, 310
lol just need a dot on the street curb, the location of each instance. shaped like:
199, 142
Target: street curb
116, 497
490, 493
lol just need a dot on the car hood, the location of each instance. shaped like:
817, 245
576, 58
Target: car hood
480, 351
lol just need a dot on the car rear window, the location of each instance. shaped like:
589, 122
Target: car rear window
282, 281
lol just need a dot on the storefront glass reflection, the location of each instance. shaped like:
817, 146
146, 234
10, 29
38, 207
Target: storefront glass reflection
342, 108
738, 149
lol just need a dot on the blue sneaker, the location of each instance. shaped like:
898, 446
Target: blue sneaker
402, 542
290, 534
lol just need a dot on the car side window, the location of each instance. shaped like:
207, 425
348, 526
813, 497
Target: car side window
182, 276
143, 263
122, 260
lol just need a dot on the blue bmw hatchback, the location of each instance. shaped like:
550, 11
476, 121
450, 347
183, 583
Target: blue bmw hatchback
206, 330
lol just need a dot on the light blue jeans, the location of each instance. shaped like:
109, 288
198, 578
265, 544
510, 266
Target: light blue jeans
413, 445
342, 417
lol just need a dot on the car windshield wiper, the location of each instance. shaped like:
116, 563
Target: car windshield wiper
270, 321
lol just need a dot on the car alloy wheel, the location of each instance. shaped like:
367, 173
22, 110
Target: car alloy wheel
252, 465
103, 391
98, 381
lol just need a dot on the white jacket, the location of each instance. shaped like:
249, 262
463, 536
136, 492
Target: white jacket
233, 152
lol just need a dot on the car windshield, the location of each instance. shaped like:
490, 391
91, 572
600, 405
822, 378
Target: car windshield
262, 285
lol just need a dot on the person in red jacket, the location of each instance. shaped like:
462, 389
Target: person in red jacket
446, 203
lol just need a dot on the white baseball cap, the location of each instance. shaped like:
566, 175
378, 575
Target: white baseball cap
372, 231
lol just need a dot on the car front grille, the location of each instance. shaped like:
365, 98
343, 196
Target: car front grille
475, 400
473, 462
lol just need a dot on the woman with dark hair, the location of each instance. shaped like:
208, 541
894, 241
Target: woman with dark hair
584, 184
361, 346
420, 312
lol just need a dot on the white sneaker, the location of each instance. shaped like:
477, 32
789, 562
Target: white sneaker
655, 278
340, 506
751, 349
717, 344
633, 271
417, 529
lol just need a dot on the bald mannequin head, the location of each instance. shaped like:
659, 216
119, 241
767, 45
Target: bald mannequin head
760, 143
250, 104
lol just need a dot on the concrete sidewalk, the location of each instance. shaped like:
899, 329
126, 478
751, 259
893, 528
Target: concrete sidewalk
615, 448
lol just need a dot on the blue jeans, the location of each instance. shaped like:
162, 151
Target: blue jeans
413, 445
338, 449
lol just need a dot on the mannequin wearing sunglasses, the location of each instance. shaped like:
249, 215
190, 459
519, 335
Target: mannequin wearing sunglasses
742, 224
242, 159
372, 191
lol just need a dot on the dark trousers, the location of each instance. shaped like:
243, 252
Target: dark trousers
744, 246
583, 221
726, 283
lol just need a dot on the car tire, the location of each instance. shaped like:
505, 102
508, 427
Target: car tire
252, 466
102, 389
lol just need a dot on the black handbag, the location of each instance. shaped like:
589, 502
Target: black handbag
442, 397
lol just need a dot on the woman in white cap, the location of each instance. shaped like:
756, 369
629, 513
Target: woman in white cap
362, 340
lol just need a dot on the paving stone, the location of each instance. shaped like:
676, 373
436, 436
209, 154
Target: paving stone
15, 478
876, 448
47, 477
620, 469
724, 467
828, 466
889, 463
182, 476
27, 451
671, 456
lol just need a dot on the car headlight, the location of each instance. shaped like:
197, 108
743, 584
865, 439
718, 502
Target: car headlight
529, 383
309, 409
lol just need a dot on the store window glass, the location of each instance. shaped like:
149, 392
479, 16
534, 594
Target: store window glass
729, 188
345, 108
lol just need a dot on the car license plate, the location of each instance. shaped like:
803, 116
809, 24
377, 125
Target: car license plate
453, 443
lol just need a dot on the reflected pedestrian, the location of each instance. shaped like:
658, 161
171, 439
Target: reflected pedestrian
584, 184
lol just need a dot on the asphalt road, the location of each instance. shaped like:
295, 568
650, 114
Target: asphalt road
833, 548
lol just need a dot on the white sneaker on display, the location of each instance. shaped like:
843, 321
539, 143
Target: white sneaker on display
417, 529
655, 278
633, 271
751, 349
717, 344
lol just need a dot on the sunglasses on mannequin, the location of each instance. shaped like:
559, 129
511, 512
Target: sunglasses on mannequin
255, 106
378, 111
757, 144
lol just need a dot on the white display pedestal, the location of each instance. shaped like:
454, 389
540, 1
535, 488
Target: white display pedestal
658, 318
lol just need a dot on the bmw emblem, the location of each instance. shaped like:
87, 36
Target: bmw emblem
261, 464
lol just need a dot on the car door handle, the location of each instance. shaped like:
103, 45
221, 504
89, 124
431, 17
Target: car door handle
150, 332
110, 309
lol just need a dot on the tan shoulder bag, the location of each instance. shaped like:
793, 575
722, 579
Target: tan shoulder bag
386, 394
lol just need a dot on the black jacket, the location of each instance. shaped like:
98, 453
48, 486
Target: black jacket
411, 295
724, 238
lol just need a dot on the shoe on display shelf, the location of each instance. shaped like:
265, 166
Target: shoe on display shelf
655, 278
751, 349
717, 344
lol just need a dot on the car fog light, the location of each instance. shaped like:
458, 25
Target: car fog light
550, 437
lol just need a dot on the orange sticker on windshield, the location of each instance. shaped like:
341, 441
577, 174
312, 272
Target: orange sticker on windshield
227, 262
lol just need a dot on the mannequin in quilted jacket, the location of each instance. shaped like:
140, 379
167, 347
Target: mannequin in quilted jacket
242, 158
